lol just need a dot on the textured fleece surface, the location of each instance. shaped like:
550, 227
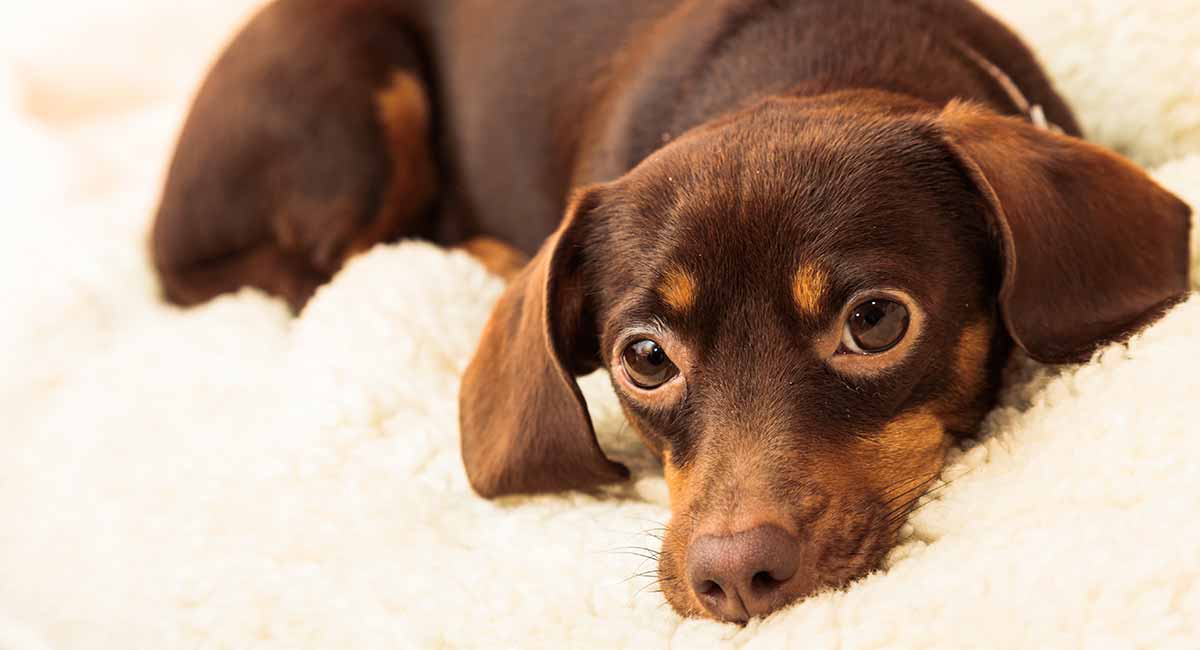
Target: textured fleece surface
229, 477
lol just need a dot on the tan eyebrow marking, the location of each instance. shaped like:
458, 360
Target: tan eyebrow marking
678, 289
809, 287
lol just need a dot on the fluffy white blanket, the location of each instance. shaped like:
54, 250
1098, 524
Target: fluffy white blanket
231, 478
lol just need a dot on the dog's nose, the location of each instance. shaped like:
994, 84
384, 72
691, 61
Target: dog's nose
743, 575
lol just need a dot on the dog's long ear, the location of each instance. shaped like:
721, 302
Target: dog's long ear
1092, 248
525, 427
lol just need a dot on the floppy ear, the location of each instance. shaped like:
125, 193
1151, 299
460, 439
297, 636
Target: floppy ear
524, 424
1092, 248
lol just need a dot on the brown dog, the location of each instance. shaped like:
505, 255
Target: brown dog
808, 235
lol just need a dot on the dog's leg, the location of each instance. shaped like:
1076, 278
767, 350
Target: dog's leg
309, 142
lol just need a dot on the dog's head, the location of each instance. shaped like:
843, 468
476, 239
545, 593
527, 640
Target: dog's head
800, 307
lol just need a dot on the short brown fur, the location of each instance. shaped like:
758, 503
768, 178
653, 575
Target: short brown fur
725, 178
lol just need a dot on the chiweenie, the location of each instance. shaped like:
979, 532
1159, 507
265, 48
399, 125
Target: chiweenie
803, 236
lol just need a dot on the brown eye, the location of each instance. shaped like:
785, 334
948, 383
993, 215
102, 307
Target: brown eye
647, 364
875, 326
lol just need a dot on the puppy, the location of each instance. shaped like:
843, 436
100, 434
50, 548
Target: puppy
803, 237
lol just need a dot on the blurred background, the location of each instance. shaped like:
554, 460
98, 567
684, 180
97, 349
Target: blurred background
92, 95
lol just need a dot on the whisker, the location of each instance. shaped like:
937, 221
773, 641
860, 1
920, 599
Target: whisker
643, 574
662, 579
648, 558
635, 548
642, 589
899, 514
892, 498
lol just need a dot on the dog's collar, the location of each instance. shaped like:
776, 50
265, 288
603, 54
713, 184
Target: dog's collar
1033, 112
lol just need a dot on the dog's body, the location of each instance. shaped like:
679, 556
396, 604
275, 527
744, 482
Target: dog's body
495, 111
809, 238
550, 96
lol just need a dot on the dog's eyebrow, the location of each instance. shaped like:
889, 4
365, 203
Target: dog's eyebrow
809, 286
652, 327
678, 289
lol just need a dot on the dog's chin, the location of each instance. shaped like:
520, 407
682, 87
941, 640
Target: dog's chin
827, 564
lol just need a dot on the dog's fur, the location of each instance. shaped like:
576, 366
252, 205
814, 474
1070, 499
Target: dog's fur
735, 176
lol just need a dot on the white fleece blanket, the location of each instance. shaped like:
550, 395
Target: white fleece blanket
229, 477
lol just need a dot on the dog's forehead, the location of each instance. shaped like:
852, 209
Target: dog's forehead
752, 211
812, 176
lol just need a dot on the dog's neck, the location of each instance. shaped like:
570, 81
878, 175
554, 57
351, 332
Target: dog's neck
694, 71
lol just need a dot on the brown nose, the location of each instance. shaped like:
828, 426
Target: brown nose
743, 575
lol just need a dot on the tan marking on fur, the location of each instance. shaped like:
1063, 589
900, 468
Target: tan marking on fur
403, 106
962, 404
809, 287
679, 483
681, 486
909, 450
678, 289
971, 357
496, 256
404, 112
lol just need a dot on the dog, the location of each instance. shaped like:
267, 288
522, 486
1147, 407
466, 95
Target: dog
803, 237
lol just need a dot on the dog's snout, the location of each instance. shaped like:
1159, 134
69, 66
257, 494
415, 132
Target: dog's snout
746, 574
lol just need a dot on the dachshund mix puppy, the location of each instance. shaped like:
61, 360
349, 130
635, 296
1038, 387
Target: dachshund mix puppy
802, 235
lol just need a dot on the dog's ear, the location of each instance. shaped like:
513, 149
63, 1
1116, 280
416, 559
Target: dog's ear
525, 427
1092, 248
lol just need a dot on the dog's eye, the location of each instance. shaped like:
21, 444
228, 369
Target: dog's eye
875, 326
647, 364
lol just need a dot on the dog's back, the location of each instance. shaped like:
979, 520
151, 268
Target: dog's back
326, 128
539, 97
